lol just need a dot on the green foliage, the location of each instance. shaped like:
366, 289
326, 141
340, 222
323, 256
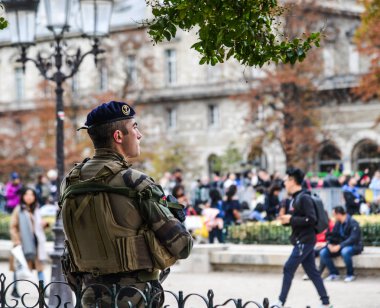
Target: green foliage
5, 221
168, 156
231, 159
216, 163
371, 234
3, 21
274, 233
245, 30
259, 233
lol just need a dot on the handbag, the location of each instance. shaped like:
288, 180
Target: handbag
22, 269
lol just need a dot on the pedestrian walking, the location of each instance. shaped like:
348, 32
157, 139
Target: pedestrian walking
302, 222
27, 230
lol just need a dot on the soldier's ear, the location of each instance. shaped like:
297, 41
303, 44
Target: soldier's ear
117, 136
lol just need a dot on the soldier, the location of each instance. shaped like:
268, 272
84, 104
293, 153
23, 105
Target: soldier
120, 227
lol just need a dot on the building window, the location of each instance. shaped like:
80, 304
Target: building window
20, 83
103, 76
213, 115
257, 157
214, 163
329, 158
131, 69
172, 118
365, 155
171, 69
353, 59
260, 114
329, 64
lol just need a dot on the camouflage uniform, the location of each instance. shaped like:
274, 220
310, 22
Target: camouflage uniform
132, 214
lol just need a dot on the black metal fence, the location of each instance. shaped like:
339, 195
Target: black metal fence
36, 296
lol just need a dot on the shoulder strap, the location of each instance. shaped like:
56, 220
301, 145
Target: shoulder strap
86, 187
111, 168
74, 174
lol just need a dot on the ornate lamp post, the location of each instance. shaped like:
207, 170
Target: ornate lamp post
58, 67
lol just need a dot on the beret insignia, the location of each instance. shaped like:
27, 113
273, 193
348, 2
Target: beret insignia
125, 109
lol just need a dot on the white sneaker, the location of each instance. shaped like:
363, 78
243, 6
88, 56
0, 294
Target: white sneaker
349, 278
332, 277
305, 277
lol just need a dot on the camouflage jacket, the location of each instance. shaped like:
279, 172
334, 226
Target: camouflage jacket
134, 214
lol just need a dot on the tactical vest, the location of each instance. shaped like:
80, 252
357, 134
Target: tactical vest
96, 243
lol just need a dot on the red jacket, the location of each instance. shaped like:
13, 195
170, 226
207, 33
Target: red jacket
321, 237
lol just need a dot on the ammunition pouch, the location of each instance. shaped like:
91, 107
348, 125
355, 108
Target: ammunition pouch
133, 253
161, 258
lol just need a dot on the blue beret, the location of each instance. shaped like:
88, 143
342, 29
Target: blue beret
109, 112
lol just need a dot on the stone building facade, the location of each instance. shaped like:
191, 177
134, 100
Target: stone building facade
181, 101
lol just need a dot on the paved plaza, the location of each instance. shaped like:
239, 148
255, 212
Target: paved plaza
363, 293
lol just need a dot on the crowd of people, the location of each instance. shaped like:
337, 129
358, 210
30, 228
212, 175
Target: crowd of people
259, 196
45, 187
217, 203
229, 199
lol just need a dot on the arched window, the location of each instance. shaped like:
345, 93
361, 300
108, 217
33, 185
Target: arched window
214, 164
366, 154
329, 157
257, 158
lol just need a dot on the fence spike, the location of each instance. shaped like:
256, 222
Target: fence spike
41, 294
266, 303
2, 290
210, 296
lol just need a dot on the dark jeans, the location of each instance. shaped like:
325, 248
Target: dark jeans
215, 233
322, 265
346, 253
303, 254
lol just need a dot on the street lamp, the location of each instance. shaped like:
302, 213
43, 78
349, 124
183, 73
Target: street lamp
96, 16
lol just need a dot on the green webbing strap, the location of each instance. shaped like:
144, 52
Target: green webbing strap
83, 205
91, 187
174, 205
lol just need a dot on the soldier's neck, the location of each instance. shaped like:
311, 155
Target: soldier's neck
101, 152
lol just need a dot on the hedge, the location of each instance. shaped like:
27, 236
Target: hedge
276, 234
247, 233
5, 221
